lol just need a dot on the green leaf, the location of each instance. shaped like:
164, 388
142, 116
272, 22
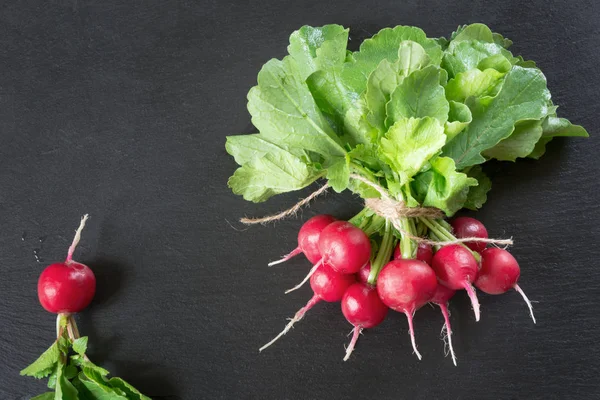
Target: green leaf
478, 194
386, 77
45, 396
338, 175
459, 118
271, 174
80, 345
553, 127
358, 127
52, 378
419, 95
442, 186
286, 114
410, 143
318, 48
519, 144
476, 31
473, 83
45, 364
523, 96
64, 389
131, 392
464, 56
498, 62
540, 148
246, 148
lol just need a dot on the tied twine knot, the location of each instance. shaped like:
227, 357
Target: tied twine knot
391, 209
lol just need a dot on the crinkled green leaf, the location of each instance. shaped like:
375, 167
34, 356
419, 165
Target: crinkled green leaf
459, 118
338, 175
45, 396
519, 144
386, 77
246, 148
476, 31
318, 48
64, 388
523, 96
130, 392
419, 95
473, 83
45, 364
478, 194
553, 127
286, 114
274, 173
358, 127
410, 143
498, 62
442, 186
540, 148
80, 345
464, 56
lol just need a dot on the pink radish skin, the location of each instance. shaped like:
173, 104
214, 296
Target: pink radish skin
441, 297
499, 273
466, 227
343, 247
456, 268
363, 274
327, 285
308, 239
424, 253
363, 308
405, 286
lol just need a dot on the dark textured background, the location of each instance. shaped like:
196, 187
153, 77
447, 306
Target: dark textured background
121, 110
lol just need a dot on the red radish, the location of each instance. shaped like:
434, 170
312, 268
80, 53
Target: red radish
405, 286
327, 285
499, 273
308, 239
343, 247
424, 253
68, 287
363, 274
466, 227
441, 297
456, 268
363, 308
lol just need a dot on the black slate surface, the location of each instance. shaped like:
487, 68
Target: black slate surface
120, 109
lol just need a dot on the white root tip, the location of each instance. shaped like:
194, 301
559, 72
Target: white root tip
448, 330
77, 237
522, 293
411, 331
285, 258
306, 278
355, 334
474, 300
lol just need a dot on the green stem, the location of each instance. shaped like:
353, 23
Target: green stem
360, 220
407, 245
384, 254
363, 171
439, 228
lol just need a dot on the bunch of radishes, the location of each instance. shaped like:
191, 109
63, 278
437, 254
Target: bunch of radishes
370, 275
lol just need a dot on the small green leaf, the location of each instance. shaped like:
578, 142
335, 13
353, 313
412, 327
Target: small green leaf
519, 144
466, 55
540, 148
131, 392
473, 83
442, 186
45, 396
459, 118
45, 364
476, 31
410, 143
318, 48
478, 194
52, 378
80, 345
64, 389
496, 62
419, 95
338, 175
553, 127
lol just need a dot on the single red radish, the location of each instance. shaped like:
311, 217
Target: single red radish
424, 252
499, 273
343, 247
405, 286
363, 274
456, 268
327, 285
466, 227
67, 287
308, 239
441, 297
363, 308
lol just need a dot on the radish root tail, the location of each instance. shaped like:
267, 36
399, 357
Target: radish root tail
448, 328
522, 293
411, 331
288, 256
306, 278
299, 315
355, 334
474, 301
76, 238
